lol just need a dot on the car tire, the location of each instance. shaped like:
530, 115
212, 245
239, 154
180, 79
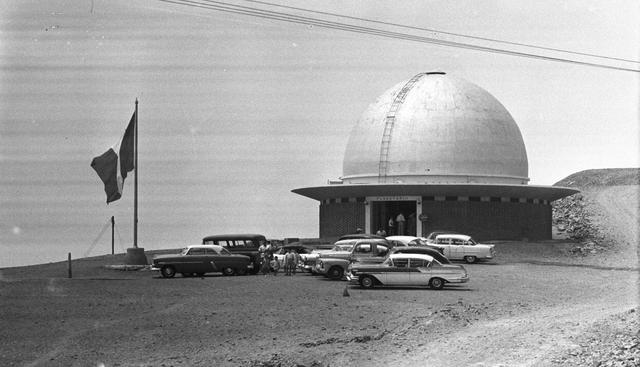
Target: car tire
367, 282
335, 272
436, 283
168, 271
470, 259
228, 271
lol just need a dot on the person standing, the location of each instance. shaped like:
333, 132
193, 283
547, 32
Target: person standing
391, 224
296, 260
288, 262
401, 222
264, 262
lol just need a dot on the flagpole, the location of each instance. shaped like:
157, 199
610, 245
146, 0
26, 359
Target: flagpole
135, 182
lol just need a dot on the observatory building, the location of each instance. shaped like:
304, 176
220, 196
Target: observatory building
436, 153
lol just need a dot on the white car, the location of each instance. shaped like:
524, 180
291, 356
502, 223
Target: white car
463, 247
407, 270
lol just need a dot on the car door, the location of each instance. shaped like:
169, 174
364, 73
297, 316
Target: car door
212, 261
445, 243
399, 273
459, 248
421, 272
362, 250
195, 261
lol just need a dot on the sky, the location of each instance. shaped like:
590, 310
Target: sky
236, 111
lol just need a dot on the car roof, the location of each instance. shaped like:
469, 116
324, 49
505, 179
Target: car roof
402, 238
355, 236
463, 237
215, 247
241, 236
411, 256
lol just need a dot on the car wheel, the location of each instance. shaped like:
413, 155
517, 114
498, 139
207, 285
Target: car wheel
367, 282
168, 271
228, 271
470, 259
335, 272
436, 283
256, 268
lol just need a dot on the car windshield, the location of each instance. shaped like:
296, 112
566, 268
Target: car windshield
224, 251
184, 251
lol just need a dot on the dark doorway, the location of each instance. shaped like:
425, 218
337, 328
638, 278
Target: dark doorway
385, 215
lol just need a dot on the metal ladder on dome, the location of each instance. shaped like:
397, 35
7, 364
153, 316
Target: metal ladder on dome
389, 123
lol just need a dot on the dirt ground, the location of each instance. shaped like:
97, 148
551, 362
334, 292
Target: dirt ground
535, 304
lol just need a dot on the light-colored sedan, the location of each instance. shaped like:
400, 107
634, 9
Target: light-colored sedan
407, 270
463, 247
310, 260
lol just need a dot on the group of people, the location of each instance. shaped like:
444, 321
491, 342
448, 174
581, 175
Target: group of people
401, 226
269, 263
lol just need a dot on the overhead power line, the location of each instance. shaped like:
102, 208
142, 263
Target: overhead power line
293, 18
442, 32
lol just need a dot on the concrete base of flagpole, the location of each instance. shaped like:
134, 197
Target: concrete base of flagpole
135, 256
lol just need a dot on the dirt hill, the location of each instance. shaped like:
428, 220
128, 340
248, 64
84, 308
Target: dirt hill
603, 218
602, 177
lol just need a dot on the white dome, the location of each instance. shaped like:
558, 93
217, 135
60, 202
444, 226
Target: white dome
435, 128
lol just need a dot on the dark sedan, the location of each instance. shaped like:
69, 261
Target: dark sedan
201, 259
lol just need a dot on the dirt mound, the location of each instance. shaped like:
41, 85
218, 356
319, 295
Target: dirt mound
602, 177
604, 215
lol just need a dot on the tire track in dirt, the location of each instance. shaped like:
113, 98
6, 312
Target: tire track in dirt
524, 341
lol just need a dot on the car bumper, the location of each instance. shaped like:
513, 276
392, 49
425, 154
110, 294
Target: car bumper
458, 280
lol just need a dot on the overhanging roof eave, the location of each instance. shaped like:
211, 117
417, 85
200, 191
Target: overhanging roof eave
549, 193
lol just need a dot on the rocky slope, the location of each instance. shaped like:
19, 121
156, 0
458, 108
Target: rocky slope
584, 217
603, 220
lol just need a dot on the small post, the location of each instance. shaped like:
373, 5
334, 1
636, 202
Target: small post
113, 225
69, 262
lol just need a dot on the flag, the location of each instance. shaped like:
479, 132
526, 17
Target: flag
113, 165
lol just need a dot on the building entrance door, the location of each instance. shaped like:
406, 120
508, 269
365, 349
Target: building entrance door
395, 217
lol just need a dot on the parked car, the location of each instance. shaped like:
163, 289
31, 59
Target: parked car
357, 236
201, 259
243, 244
334, 264
431, 237
310, 261
421, 250
463, 247
407, 270
412, 241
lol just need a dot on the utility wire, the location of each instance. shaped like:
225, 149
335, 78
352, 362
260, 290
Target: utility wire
266, 14
443, 32
104, 228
